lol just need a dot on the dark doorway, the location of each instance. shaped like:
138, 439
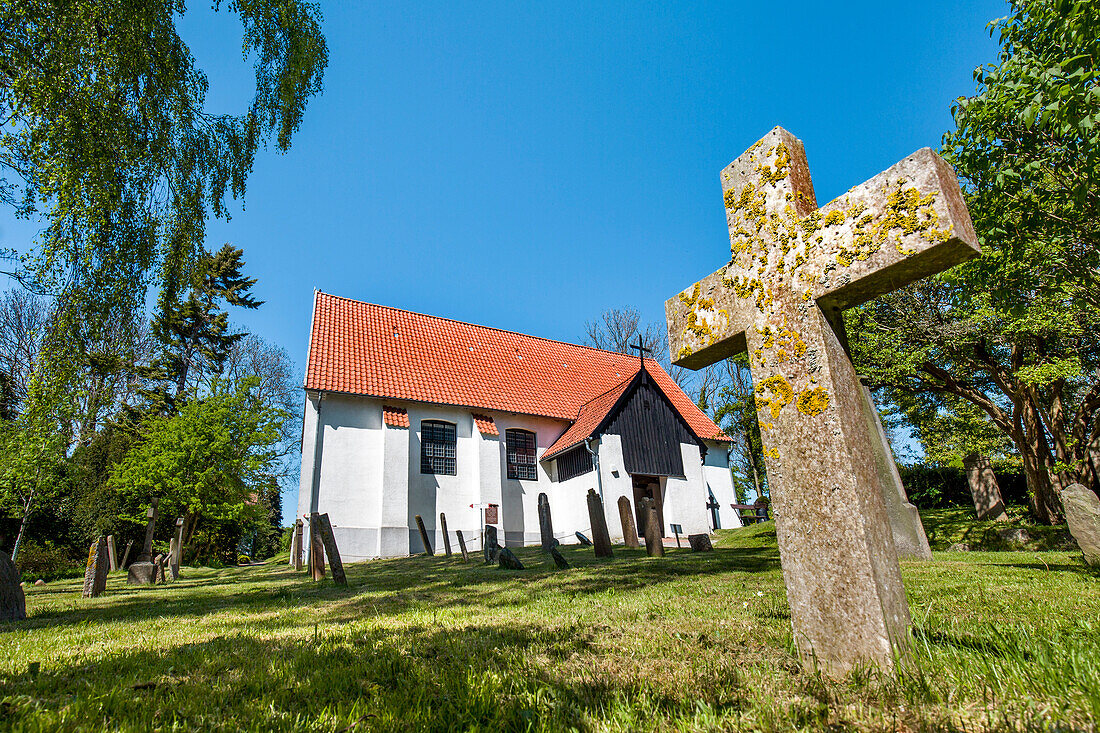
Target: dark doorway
648, 487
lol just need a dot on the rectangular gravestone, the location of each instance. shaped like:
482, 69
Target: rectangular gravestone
158, 562
296, 552
546, 524
424, 536
142, 571
654, 543
462, 545
794, 268
95, 572
112, 554
1082, 509
626, 518
601, 540
984, 489
490, 547
13, 602
446, 536
126, 554
700, 543
176, 556
316, 548
328, 539
173, 568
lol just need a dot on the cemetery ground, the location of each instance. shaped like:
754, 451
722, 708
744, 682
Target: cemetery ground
1002, 641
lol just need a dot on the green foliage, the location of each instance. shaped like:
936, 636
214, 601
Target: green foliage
209, 462
46, 561
1013, 333
734, 410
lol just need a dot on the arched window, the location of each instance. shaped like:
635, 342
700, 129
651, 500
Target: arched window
437, 447
521, 455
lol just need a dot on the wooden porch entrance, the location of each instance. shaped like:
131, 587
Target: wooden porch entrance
647, 487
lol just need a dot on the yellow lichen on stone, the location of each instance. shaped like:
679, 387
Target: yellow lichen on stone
771, 453
782, 161
696, 325
782, 394
813, 401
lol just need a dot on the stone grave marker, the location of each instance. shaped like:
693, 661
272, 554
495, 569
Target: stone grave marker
462, 545
296, 546
158, 561
546, 524
507, 560
316, 548
626, 518
13, 603
142, 571
794, 269
424, 536
96, 569
700, 543
491, 546
984, 489
176, 556
446, 536
328, 539
173, 566
1083, 517
654, 543
585, 542
112, 555
559, 559
126, 554
600, 537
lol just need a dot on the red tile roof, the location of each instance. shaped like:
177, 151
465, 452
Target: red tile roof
397, 417
485, 425
373, 350
589, 417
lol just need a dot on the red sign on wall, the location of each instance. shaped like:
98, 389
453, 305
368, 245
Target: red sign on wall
492, 514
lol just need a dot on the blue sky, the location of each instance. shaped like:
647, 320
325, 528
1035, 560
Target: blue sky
527, 166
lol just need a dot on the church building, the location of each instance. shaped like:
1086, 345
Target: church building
409, 414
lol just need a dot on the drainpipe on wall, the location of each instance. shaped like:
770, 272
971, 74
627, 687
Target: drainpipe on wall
596, 464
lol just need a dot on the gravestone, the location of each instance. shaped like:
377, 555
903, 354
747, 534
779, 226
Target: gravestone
13, 603
159, 563
176, 557
126, 554
424, 536
654, 543
173, 568
585, 542
507, 560
1083, 517
462, 545
142, 571
491, 547
112, 556
328, 539
446, 536
626, 517
96, 569
700, 543
676, 531
910, 539
559, 559
546, 526
316, 548
794, 269
984, 489
296, 551
600, 537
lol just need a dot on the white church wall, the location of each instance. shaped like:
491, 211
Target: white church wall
394, 518
719, 480
309, 441
685, 498
519, 498
569, 507
616, 482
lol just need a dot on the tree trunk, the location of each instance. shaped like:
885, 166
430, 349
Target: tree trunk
22, 525
1043, 492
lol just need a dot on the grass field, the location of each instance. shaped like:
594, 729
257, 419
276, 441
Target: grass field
1002, 641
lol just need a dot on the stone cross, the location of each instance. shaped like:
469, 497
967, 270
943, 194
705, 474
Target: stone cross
984, 488
150, 524
446, 537
626, 518
654, 543
424, 536
794, 268
600, 537
546, 525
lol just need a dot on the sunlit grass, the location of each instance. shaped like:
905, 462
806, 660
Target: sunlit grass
687, 642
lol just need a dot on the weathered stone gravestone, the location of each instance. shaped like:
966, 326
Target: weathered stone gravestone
559, 559
96, 569
507, 560
296, 546
601, 539
546, 525
126, 554
700, 543
142, 571
491, 547
626, 518
158, 561
13, 603
332, 552
446, 536
1083, 517
583, 539
984, 488
112, 555
424, 536
654, 543
910, 539
794, 269
175, 556
462, 545
316, 548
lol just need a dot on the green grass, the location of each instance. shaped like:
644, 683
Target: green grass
1001, 641
946, 527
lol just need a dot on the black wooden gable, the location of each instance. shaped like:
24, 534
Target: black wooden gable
650, 428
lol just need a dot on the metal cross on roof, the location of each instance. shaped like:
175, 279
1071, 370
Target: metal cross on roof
641, 349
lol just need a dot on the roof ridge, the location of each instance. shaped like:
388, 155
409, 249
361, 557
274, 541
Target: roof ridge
606, 392
479, 325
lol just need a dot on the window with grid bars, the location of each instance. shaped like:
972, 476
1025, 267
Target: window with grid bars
437, 447
521, 455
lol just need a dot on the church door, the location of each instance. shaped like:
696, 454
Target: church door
648, 487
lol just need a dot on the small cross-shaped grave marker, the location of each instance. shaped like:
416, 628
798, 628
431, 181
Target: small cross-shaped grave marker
794, 268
